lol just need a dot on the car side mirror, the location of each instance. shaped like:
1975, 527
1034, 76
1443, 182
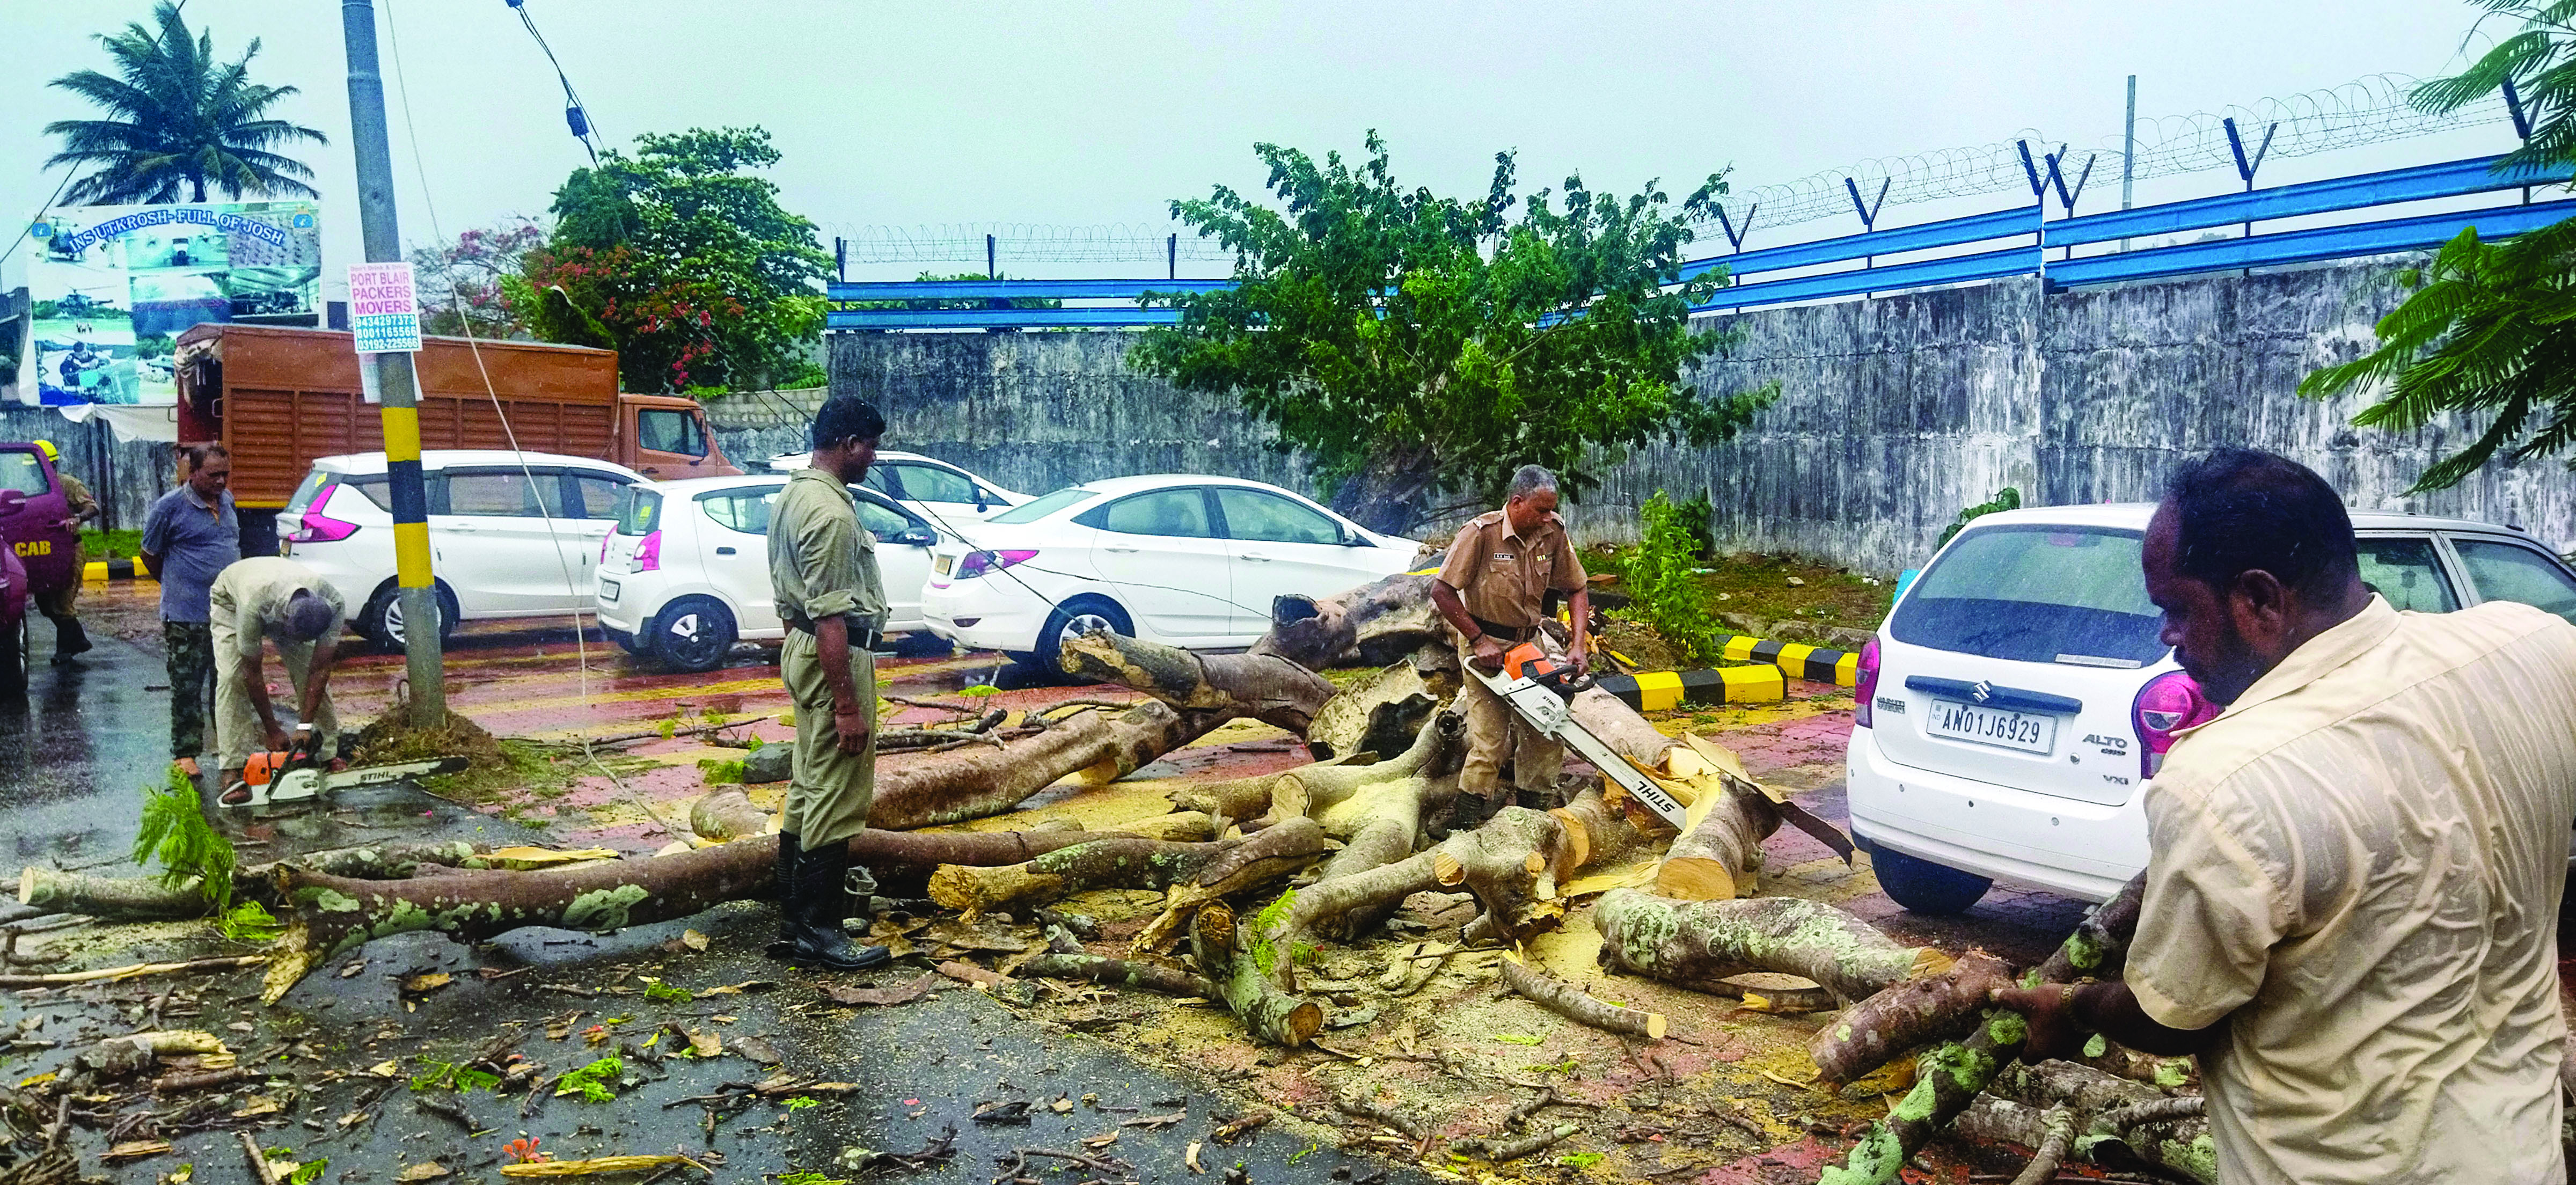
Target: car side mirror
1354, 539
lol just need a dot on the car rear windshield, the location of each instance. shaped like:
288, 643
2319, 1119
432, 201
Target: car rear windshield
1029, 512
639, 511
2037, 594
310, 492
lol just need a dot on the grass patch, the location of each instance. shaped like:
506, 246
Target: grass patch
121, 543
1757, 588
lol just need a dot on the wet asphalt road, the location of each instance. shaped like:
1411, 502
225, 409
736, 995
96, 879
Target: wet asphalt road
90, 735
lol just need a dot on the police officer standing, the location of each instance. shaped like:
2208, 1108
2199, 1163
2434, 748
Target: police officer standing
69, 638
823, 572
1493, 590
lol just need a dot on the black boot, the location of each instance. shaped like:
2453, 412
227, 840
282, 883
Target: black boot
69, 638
786, 892
820, 900
1467, 812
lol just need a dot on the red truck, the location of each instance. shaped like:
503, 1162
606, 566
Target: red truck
278, 398
42, 554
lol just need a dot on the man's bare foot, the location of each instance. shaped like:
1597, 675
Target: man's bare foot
188, 766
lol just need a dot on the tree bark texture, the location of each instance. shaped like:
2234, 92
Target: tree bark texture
1131, 862
1382, 713
1573, 1003
138, 899
980, 781
1120, 973
1692, 943
1218, 687
1918, 1011
1372, 625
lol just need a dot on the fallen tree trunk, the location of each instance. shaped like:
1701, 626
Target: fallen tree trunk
1373, 625
979, 781
1951, 1076
139, 899
1916, 1012
1382, 713
1692, 943
1218, 687
1115, 862
1120, 973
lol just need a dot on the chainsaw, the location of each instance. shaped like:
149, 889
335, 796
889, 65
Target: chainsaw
298, 772
1541, 691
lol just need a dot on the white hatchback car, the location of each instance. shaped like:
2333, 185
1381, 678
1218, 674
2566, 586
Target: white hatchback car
499, 546
1187, 561
934, 489
685, 574
2020, 695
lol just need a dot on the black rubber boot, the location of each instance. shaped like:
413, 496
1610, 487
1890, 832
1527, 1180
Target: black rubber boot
1467, 812
820, 900
69, 638
785, 890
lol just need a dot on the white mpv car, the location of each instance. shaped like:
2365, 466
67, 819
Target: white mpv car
1187, 561
499, 546
2019, 696
685, 574
948, 496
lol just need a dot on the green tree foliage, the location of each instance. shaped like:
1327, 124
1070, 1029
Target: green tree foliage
2007, 498
2490, 328
178, 120
1663, 589
176, 833
1421, 347
681, 259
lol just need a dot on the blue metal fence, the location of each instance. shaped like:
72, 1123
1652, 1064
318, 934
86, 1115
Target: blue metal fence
2028, 237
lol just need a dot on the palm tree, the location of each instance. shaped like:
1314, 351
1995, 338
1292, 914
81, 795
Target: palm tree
177, 119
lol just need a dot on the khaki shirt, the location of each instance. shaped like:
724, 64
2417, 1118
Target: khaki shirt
2357, 868
76, 493
1503, 578
252, 595
821, 563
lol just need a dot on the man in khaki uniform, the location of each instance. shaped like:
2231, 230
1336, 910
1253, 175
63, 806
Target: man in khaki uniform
69, 638
1493, 589
2352, 897
823, 574
270, 599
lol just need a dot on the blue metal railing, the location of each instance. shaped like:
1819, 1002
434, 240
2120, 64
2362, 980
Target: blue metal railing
2393, 187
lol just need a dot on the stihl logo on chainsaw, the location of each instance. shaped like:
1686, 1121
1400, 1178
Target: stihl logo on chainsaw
1540, 690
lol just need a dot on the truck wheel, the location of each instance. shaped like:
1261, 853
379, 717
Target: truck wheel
383, 618
1924, 887
694, 634
14, 647
1074, 618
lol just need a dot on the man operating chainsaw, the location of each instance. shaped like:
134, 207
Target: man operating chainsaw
271, 599
1493, 589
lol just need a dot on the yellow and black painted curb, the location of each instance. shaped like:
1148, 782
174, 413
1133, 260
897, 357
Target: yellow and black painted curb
1814, 664
115, 569
1649, 691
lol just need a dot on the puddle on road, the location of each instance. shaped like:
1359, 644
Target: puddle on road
395, 813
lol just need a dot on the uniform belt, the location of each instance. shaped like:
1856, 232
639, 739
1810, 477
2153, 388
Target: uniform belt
1508, 633
859, 639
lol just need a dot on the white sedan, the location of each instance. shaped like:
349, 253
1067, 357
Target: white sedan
1187, 561
685, 574
934, 489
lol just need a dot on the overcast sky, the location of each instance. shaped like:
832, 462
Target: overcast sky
1074, 113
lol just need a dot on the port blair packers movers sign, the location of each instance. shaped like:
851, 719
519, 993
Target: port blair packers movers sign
384, 311
112, 287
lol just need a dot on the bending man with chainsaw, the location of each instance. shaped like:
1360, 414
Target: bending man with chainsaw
823, 574
1493, 589
271, 599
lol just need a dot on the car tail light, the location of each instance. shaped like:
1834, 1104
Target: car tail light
648, 554
317, 527
978, 563
2168, 704
1865, 683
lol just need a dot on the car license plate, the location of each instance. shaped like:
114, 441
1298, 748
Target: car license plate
2027, 731
608, 590
943, 564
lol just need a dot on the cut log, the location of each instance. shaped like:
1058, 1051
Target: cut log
1130, 862
979, 781
1120, 973
1234, 798
1597, 833
2099, 948
1219, 687
136, 899
1373, 625
1313, 790
1253, 863
1937, 1007
1243, 980
1573, 1003
1720, 856
1700, 942
728, 814
1379, 714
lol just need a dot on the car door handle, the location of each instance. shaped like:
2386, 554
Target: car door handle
1122, 550
459, 529
724, 551
1256, 557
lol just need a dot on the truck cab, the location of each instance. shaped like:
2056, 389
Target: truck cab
669, 439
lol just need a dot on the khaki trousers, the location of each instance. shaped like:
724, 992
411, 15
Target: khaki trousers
237, 733
1495, 732
830, 791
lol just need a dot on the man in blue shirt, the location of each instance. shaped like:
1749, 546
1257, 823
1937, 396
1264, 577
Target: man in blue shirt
188, 539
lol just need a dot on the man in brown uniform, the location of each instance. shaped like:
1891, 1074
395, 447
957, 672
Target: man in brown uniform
1493, 589
69, 637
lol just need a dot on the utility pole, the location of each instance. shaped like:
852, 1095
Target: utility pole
393, 376
2129, 151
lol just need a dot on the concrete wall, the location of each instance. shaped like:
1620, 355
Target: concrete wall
1895, 412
